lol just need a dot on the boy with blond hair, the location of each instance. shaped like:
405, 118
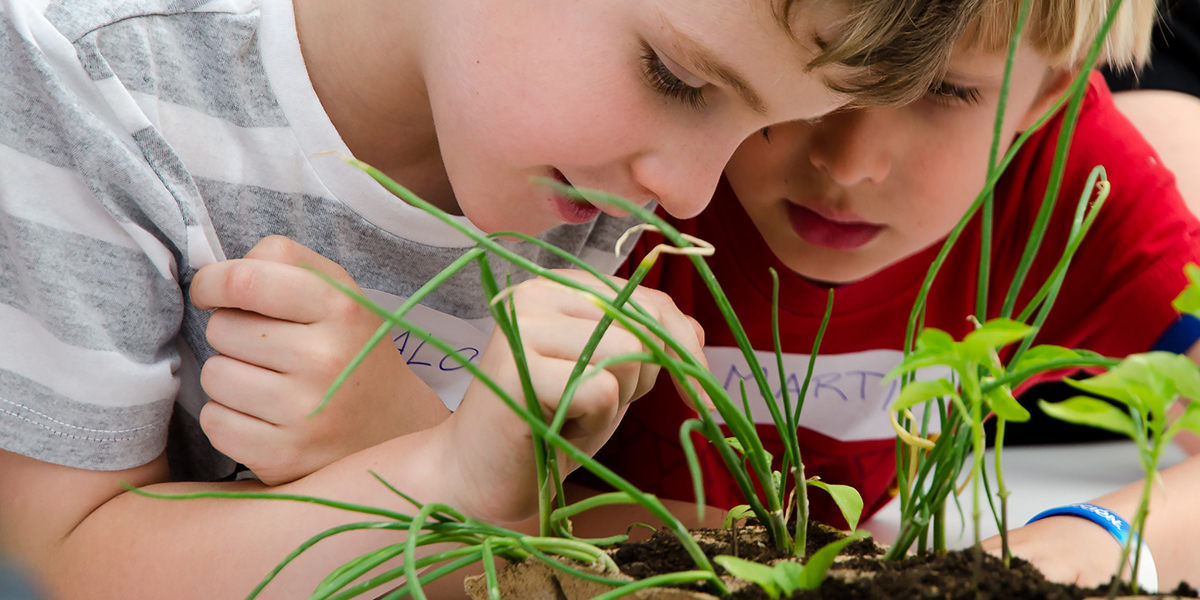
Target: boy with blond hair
860, 200
142, 141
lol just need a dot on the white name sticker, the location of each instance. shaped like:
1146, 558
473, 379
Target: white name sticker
847, 398
436, 368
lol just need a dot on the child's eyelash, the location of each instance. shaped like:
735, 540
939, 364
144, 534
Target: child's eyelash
666, 83
948, 93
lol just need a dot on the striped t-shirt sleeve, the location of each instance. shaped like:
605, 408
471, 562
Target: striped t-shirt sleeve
91, 245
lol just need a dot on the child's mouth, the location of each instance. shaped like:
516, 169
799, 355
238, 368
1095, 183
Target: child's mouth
572, 210
837, 235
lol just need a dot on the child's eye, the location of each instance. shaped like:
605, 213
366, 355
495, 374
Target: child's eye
667, 83
766, 134
950, 94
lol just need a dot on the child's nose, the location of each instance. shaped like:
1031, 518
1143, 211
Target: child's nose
851, 147
683, 178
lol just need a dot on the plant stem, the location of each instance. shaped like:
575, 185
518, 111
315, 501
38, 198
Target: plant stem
939, 529
507, 323
989, 202
801, 536
1002, 492
1058, 170
1135, 534
980, 445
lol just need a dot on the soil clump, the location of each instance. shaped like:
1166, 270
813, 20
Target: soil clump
860, 572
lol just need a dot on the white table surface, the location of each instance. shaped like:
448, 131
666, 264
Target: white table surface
1039, 477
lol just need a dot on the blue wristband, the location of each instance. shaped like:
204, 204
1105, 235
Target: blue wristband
1119, 528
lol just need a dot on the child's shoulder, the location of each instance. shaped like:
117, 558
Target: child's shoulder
76, 20
1142, 188
1102, 136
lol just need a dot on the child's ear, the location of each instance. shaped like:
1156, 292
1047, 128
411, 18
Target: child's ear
1054, 85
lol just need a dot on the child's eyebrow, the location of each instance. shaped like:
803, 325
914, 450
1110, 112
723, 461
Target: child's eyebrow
702, 58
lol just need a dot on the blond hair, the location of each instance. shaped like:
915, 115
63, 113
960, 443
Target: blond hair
896, 49
1062, 31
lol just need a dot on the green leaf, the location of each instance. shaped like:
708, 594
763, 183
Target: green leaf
935, 341
1040, 355
1190, 419
1188, 300
999, 333
777, 479
736, 513
1193, 273
1183, 374
819, 563
848, 500
750, 571
1006, 406
788, 575
919, 361
1145, 376
1082, 410
1110, 385
736, 444
920, 392
970, 384
976, 351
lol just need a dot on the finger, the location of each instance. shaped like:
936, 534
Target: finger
311, 351
258, 393
545, 296
702, 395
271, 289
594, 404
236, 434
250, 337
553, 337
685, 330
283, 250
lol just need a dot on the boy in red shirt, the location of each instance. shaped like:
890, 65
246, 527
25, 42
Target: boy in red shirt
859, 201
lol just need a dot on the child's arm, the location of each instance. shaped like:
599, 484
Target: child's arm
284, 335
1075, 550
86, 537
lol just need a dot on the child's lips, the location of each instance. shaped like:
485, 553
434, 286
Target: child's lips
819, 230
572, 210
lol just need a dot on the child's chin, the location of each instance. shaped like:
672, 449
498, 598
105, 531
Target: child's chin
827, 277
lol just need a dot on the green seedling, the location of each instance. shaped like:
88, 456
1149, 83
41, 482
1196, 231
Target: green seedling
847, 499
975, 363
1145, 385
980, 386
736, 514
787, 577
927, 478
749, 464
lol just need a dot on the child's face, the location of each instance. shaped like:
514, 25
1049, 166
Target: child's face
646, 99
841, 198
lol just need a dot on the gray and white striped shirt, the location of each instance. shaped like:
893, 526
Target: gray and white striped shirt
141, 140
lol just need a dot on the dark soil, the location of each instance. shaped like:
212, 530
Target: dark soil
860, 572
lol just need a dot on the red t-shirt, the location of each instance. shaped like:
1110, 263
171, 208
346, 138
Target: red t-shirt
1115, 300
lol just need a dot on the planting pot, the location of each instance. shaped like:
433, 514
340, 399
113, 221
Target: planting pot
859, 573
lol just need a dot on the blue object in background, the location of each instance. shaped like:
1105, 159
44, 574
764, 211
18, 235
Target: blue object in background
13, 586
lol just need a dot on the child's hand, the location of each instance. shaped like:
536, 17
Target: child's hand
284, 335
555, 323
1066, 549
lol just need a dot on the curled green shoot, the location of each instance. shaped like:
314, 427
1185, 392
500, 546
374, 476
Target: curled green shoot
1043, 300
